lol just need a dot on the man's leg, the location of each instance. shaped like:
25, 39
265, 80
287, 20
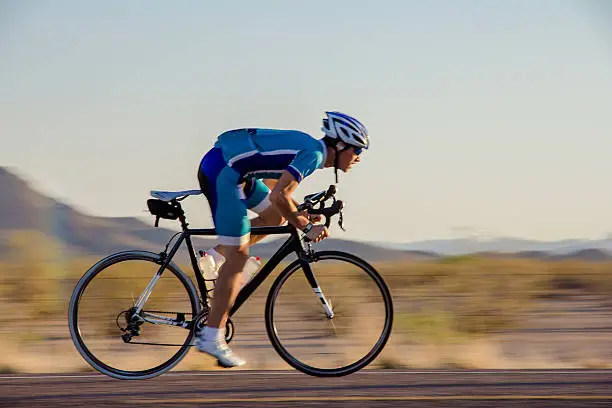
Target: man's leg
219, 183
227, 284
212, 338
270, 217
267, 218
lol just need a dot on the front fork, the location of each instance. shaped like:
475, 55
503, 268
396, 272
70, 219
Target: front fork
317, 290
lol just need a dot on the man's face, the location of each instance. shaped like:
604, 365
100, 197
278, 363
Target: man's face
348, 157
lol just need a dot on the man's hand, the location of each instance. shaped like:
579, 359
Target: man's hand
312, 217
317, 233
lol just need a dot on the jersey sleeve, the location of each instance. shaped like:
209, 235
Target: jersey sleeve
304, 164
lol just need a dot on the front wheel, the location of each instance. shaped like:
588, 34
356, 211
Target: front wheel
333, 321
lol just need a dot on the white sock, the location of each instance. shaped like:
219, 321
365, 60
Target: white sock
212, 333
219, 259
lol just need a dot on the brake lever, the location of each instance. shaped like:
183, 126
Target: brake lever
341, 221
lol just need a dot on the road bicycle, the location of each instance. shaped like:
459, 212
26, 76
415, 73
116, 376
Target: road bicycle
327, 313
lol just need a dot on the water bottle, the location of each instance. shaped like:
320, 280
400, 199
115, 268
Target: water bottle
207, 266
250, 269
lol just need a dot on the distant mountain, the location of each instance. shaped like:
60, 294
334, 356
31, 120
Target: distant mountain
24, 209
587, 255
462, 246
364, 250
596, 255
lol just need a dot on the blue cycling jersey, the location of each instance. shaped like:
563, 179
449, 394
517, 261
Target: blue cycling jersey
267, 153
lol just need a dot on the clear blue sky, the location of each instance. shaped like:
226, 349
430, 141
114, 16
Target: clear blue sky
492, 115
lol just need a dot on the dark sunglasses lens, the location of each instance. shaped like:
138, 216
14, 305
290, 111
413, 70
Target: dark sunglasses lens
358, 150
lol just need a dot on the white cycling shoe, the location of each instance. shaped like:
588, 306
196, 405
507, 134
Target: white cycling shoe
220, 350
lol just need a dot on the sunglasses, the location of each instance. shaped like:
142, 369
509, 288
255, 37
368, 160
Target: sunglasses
356, 150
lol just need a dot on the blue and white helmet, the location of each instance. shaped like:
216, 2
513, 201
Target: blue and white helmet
346, 128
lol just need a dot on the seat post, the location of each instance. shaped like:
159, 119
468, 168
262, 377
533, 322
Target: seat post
183, 220
181, 213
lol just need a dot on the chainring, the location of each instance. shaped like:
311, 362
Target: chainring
202, 318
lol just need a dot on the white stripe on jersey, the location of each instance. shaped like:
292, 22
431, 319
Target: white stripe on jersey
241, 156
273, 152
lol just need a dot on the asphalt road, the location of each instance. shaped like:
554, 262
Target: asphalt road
503, 388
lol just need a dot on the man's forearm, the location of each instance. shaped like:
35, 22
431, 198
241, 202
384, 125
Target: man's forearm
287, 207
271, 183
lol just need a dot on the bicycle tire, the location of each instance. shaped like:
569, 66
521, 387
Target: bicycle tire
326, 372
73, 315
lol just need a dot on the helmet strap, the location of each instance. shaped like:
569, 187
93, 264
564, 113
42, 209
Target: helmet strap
343, 147
336, 158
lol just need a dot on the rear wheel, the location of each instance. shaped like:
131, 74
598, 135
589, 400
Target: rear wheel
116, 341
313, 340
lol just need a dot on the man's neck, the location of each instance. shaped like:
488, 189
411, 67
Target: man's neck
331, 155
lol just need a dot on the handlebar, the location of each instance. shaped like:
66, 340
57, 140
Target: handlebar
320, 198
324, 195
329, 212
311, 199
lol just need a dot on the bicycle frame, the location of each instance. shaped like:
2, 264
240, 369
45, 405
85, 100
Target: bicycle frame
292, 244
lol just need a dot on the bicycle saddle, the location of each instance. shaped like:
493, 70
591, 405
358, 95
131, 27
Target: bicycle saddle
172, 195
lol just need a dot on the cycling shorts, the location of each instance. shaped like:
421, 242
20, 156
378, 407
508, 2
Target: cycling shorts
229, 198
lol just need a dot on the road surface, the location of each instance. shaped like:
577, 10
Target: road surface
368, 388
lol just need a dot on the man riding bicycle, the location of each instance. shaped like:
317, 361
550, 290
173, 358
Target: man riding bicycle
230, 176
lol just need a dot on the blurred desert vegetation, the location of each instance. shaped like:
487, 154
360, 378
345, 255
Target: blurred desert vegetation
488, 310
438, 303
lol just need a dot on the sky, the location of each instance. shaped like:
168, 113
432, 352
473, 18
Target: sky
486, 118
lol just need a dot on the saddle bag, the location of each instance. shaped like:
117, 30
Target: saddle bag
163, 209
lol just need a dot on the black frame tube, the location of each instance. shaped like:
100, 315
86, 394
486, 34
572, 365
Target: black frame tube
292, 244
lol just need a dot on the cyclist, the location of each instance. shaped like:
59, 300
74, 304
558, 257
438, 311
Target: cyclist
231, 177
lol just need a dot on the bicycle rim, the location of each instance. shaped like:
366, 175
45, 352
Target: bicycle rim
304, 335
98, 308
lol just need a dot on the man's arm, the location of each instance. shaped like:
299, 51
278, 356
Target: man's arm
271, 183
281, 197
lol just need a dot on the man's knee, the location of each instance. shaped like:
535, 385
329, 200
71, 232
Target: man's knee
239, 253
